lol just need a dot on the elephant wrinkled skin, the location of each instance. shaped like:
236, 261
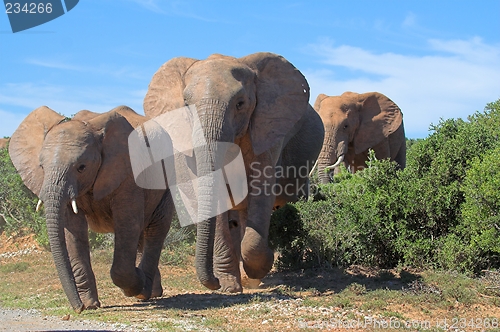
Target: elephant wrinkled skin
355, 123
259, 102
80, 169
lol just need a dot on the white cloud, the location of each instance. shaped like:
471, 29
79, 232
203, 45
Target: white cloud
410, 20
455, 79
54, 64
151, 5
123, 72
175, 8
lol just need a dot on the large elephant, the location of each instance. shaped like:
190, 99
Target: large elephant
355, 123
260, 103
81, 170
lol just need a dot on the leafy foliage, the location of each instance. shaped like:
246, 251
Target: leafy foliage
441, 211
18, 203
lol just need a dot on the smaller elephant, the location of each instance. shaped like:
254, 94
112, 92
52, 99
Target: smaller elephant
355, 123
81, 170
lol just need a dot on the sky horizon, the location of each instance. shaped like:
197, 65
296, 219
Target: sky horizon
435, 59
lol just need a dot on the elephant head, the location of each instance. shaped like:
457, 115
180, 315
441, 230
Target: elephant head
60, 160
253, 101
353, 124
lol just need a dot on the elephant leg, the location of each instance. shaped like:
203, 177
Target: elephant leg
397, 143
128, 224
246, 281
401, 156
297, 160
157, 287
227, 252
257, 257
77, 243
382, 150
154, 237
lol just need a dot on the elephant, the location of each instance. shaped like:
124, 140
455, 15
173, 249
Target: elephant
80, 169
259, 103
355, 123
4, 142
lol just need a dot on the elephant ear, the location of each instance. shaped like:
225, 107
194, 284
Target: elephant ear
26, 144
318, 101
165, 92
132, 117
85, 115
282, 99
379, 117
113, 130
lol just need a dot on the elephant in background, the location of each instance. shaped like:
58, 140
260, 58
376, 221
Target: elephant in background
355, 123
260, 103
4, 142
80, 169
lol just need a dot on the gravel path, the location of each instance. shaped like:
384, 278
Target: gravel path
19, 320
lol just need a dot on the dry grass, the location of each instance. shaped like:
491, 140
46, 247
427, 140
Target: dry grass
286, 301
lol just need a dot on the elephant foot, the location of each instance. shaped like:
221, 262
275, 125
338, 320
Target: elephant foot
128, 288
257, 260
90, 302
149, 294
230, 285
143, 296
92, 306
157, 287
157, 291
248, 282
230, 279
251, 283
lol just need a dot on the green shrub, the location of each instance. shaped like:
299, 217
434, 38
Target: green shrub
352, 225
441, 211
179, 244
18, 203
480, 226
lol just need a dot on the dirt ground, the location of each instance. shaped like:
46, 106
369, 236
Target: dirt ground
291, 301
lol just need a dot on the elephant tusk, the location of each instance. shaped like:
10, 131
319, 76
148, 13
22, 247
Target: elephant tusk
73, 205
341, 159
38, 205
312, 169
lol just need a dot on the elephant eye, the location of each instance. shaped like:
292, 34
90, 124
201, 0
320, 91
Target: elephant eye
346, 126
239, 105
80, 168
233, 224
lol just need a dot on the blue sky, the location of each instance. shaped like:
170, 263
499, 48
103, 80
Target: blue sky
435, 59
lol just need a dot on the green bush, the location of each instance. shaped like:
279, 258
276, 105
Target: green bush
179, 244
480, 226
352, 225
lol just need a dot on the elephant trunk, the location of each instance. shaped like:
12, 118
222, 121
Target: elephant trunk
331, 156
56, 208
323, 162
209, 154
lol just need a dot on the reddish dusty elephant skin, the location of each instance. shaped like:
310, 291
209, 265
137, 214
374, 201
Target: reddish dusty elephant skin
261, 103
355, 123
4, 142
